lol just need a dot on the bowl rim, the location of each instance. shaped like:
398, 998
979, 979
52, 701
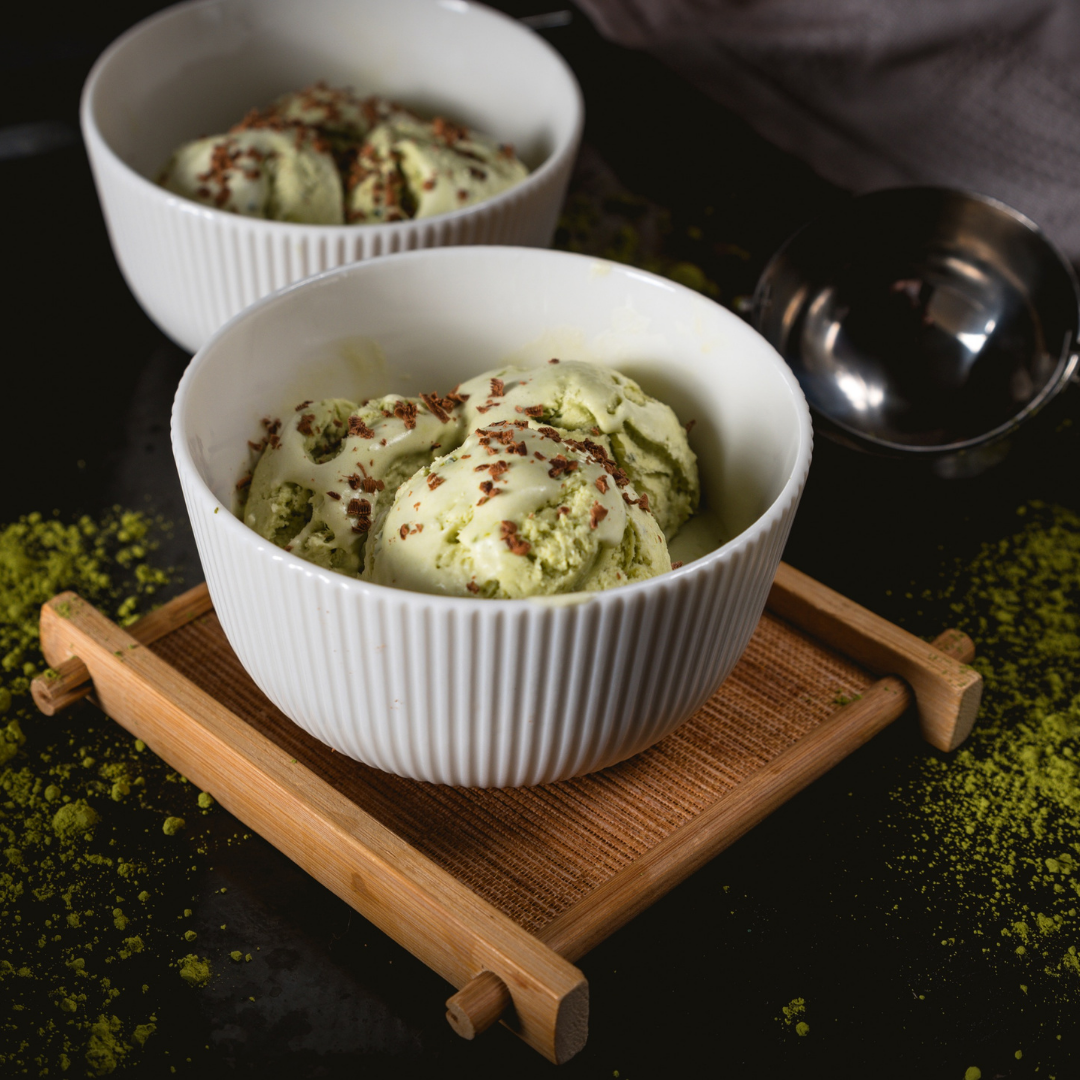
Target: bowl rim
1067, 363
94, 137
766, 522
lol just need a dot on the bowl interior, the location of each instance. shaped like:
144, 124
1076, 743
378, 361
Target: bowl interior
425, 321
197, 68
921, 318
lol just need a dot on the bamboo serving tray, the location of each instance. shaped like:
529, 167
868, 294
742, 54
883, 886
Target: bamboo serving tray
502, 891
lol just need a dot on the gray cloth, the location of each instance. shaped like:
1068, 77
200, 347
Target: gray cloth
975, 94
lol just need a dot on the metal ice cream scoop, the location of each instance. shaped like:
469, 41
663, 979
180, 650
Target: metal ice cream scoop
923, 322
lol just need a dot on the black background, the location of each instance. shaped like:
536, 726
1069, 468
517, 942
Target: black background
694, 986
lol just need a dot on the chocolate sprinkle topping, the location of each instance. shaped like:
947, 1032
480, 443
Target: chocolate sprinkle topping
601, 484
596, 515
358, 427
434, 480
514, 542
560, 464
406, 412
303, 425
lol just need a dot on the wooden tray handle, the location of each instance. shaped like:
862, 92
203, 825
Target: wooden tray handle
947, 692
480, 1003
72, 683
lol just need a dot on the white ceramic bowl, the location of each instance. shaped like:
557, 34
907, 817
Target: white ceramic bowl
196, 68
491, 692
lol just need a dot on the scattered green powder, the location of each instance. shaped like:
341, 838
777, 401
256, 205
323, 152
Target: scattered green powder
612, 223
87, 899
172, 825
802, 1028
793, 1010
194, 970
992, 832
973, 1073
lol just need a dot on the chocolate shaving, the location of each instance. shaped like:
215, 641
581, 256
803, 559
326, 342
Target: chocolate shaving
535, 411
676, 565
496, 468
403, 532
514, 542
472, 586
498, 388
550, 432
553, 360
437, 406
434, 480
303, 405
243, 482
560, 464
489, 491
303, 425
406, 412
358, 427
596, 514
336, 496
601, 484
642, 501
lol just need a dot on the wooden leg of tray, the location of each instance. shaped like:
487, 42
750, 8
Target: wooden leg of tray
480, 1003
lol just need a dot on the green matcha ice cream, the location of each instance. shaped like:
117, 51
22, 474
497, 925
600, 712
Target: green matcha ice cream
643, 435
328, 475
563, 478
517, 511
324, 156
281, 175
409, 167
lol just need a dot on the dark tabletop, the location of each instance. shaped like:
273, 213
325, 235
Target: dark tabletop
800, 908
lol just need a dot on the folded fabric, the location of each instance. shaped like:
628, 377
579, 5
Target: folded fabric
975, 94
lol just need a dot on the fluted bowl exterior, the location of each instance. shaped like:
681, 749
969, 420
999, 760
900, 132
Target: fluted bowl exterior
197, 67
492, 693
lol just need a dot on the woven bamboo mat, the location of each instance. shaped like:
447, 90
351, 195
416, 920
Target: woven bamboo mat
533, 853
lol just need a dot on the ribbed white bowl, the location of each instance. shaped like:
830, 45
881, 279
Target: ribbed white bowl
491, 692
196, 68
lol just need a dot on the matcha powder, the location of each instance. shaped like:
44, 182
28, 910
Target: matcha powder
997, 824
91, 886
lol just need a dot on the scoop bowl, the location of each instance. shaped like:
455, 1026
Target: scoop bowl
923, 322
492, 692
